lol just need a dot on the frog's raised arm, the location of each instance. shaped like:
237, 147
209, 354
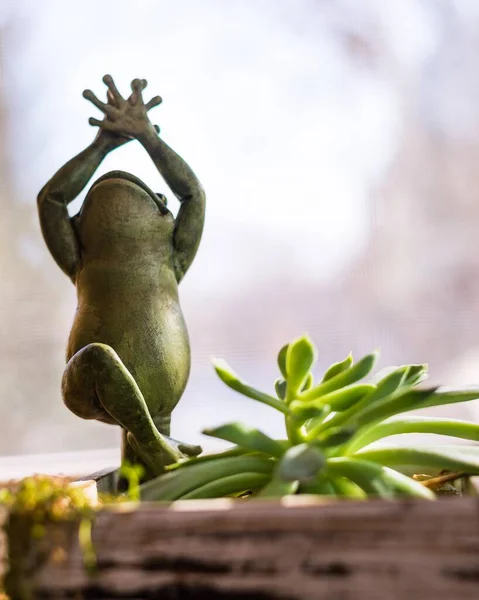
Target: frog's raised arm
57, 194
186, 187
130, 118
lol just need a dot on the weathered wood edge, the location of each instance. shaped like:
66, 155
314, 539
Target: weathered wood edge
150, 516
297, 549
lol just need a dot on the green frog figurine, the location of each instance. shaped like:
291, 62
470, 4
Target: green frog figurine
128, 353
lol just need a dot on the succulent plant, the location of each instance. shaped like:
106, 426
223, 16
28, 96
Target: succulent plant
330, 426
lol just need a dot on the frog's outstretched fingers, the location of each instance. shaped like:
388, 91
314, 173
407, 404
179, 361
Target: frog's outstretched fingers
155, 101
108, 125
113, 93
110, 111
137, 86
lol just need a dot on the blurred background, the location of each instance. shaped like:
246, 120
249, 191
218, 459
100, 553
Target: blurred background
338, 143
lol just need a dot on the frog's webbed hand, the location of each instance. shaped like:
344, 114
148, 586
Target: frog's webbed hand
114, 97
124, 119
189, 222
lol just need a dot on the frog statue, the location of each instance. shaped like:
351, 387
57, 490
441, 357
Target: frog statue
128, 353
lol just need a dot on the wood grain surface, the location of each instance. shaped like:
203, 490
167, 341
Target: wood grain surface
261, 550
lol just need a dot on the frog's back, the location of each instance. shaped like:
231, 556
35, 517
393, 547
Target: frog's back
127, 290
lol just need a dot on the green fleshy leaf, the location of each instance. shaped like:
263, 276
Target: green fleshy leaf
343, 398
345, 488
316, 423
388, 386
367, 475
300, 358
351, 375
319, 486
280, 388
400, 425
406, 486
189, 462
376, 479
282, 360
335, 437
247, 437
308, 384
277, 488
416, 374
302, 411
394, 405
300, 463
175, 484
228, 376
390, 383
338, 368
445, 395
227, 486
452, 458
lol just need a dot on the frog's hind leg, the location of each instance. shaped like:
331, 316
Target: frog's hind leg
97, 385
163, 424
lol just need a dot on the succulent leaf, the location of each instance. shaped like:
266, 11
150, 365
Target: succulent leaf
247, 437
343, 398
228, 376
280, 388
337, 368
228, 486
351, 375
282, 360
400, 425
300, 463
416, 374
439, 457
175, 484
308, 383
277, 488
300, 358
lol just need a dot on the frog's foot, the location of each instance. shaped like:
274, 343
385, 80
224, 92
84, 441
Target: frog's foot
96, 384
189, 450
156, 454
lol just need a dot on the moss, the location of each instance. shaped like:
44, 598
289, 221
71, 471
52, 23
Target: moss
45, 498
32, 504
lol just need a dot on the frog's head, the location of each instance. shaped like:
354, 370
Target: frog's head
136, 186
120, 211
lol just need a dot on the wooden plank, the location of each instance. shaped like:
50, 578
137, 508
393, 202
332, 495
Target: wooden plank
220, 549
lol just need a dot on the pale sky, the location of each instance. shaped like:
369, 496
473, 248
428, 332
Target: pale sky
287, 135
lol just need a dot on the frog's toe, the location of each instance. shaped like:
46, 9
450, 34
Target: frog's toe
190, 449
154, 455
